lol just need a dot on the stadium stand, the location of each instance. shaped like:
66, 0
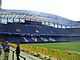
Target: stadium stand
31, 26
27, 26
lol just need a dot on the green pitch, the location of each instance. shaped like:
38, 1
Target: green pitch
72, 46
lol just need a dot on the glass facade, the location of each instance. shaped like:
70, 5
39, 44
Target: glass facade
53, 24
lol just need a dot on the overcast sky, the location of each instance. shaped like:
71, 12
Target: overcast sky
66, 8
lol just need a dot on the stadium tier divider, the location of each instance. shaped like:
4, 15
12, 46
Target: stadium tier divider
49, 53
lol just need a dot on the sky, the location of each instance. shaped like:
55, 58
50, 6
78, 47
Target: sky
66, 8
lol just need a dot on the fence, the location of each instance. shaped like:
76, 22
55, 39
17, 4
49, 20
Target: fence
52, 53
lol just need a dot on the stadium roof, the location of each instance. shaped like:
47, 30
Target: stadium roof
20, 14
34, 15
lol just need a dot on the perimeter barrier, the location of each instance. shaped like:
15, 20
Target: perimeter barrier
51, 53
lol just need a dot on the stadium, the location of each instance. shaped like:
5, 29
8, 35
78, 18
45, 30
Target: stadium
34, 28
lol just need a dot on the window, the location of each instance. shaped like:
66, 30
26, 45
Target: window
10, 20
63, 26
16, 20
68, 26
55, 25
22, 20
4, 21
59, 26
47, 23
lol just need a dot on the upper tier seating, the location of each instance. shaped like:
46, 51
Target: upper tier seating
40, 30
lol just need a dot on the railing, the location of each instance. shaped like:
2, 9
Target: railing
52, 53
13, 52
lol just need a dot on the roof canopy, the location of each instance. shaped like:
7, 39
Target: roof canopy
33, 15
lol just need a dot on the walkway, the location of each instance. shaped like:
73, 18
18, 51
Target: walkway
27, 56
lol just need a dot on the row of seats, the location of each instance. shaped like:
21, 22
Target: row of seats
30, 39
42, 39
30, 29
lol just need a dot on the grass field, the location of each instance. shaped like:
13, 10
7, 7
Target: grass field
72, 46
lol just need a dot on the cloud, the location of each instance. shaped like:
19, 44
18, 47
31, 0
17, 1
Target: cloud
66, 8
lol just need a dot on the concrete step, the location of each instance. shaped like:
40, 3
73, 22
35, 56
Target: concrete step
27, 56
